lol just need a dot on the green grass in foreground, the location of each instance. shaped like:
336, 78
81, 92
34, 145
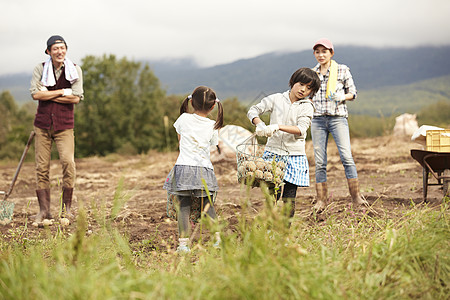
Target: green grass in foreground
356, 257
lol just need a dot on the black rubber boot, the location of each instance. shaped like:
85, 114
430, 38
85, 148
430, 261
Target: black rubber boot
43, 196
67, 203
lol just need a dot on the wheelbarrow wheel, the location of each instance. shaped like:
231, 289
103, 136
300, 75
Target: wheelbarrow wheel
446, 183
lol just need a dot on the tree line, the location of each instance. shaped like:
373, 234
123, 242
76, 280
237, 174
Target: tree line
125, 110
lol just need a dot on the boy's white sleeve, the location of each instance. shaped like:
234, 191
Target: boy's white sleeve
304, 120
266, 105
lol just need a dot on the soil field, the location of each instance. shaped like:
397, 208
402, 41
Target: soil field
390, 180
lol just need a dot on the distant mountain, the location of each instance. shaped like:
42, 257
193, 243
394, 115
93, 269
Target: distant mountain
379, 73
394, 100
18, 85
371, 68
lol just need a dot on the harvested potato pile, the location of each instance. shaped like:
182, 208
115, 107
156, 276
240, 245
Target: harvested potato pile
256, 169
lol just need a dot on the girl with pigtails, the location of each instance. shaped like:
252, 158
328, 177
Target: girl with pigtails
185, 184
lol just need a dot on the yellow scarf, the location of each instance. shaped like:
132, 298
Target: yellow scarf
332, 79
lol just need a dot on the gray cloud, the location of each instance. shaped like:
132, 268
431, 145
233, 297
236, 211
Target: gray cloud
213, 32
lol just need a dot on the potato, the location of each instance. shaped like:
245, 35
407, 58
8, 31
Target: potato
269, 165
251, 166
47, 222
260, 165
260, 151
279, 172
259, 174
64, 222
241, 157
241, 170
268, 176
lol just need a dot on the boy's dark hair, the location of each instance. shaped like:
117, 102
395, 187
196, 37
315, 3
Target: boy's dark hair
203, 99
306, 76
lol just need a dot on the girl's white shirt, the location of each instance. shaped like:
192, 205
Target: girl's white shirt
197, 135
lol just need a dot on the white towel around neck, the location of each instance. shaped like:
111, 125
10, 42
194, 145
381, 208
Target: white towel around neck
48, 77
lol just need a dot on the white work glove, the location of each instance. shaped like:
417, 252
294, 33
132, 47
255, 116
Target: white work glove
261, 129
67, 92
271, 129
337, 97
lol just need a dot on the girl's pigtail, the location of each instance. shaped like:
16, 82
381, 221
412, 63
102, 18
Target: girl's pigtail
185, 104
219, 121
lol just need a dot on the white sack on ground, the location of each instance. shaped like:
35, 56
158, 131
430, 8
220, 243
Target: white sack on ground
229, 137
405, 125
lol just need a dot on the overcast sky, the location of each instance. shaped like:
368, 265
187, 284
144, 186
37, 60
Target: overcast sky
212, 32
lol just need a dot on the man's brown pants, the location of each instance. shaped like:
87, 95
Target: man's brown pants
65, 144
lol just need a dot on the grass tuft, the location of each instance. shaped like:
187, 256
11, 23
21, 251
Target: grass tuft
360, 256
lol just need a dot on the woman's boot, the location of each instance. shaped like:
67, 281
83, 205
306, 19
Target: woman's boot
353, 186
321, 197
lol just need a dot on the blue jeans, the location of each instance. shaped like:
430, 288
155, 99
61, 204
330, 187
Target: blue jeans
321, 127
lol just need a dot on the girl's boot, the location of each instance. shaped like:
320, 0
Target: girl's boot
218, 241
183, 245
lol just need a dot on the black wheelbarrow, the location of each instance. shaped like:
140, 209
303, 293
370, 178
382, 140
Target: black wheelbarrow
436, 163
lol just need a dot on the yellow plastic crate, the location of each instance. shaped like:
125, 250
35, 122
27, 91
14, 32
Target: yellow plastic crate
438, 140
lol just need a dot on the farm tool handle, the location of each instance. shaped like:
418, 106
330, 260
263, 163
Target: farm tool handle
30, 139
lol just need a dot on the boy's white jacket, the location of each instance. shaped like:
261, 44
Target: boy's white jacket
283, 112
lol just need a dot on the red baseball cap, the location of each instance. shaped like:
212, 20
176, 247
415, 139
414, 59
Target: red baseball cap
324, 42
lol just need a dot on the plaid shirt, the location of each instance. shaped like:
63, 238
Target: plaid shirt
345, 83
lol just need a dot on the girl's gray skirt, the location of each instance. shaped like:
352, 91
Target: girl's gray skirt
190, 181
185, 180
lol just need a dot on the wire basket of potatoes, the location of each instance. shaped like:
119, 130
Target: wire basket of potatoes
258, 163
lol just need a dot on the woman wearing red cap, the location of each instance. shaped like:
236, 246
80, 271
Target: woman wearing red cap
331, 116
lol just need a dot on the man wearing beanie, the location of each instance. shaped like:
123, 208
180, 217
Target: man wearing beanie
57, 85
